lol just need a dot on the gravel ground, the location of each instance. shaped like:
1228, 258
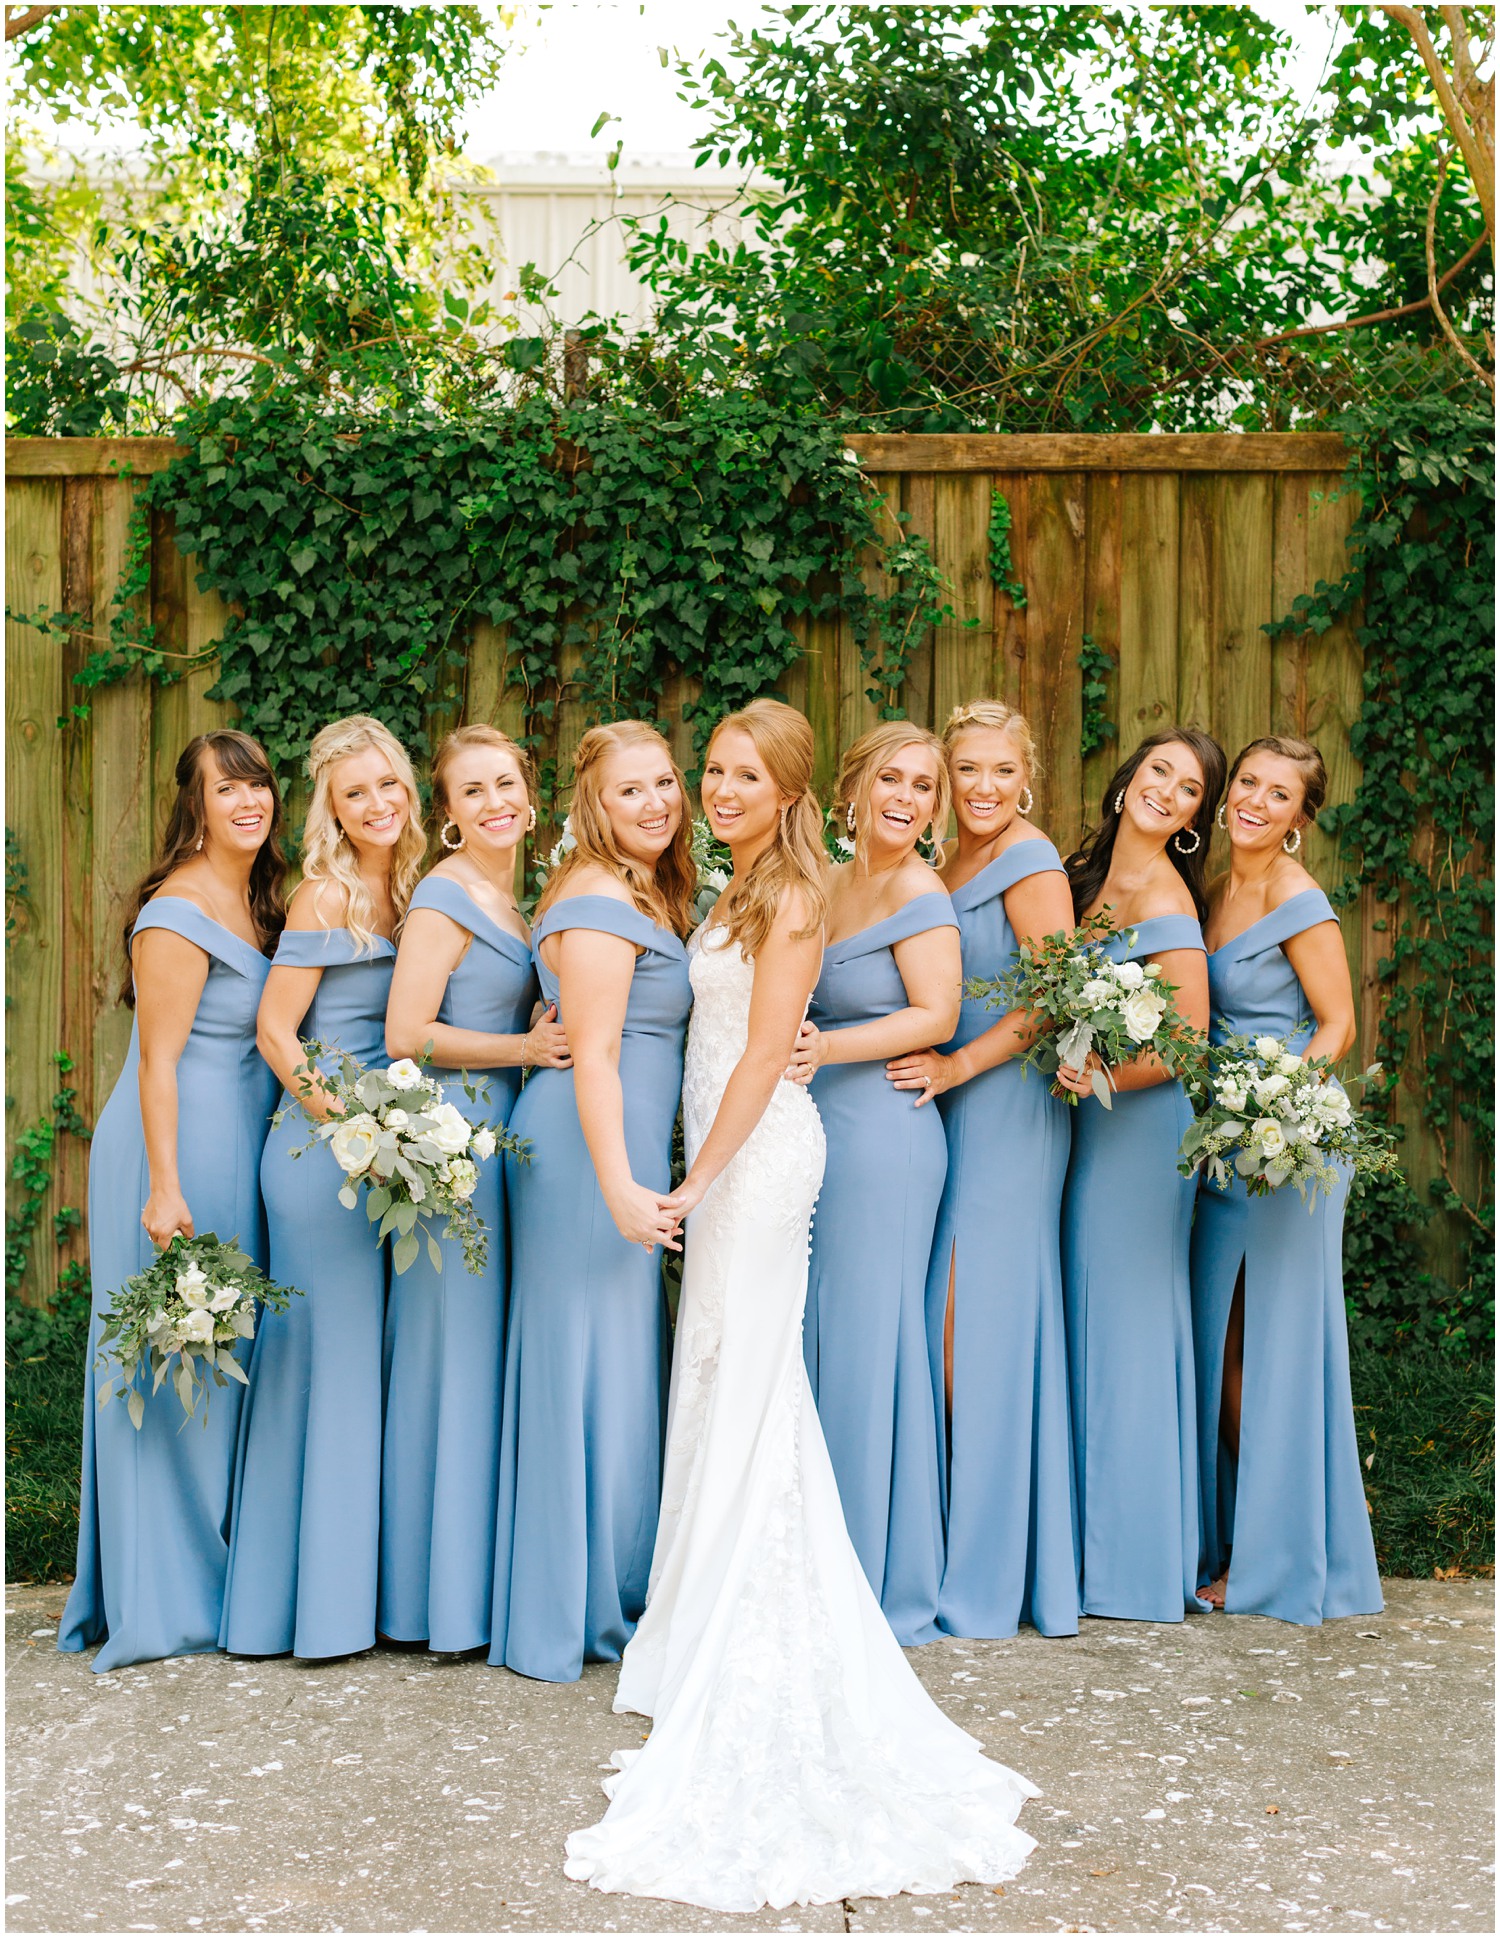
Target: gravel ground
1230, 1774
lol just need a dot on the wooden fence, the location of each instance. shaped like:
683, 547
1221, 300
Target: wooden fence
1171, 553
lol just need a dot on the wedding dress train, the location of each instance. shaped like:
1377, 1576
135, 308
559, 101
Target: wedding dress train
794, 1757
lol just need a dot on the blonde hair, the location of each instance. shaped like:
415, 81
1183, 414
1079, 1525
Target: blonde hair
328, 854
795, 859
665, 893
998, 718
476, 735
865, 759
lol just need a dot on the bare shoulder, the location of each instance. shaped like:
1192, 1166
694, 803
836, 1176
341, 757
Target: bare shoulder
317, 904
796, 918
593, 880
913, 879
1166, 898
182, 886
1291, 879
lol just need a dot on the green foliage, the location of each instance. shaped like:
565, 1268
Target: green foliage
889, 630
1002, 565
357, 551
45, 1354
1425, 1421
1420, 829
1097, 668
1055, 218
57, 384
31, 1166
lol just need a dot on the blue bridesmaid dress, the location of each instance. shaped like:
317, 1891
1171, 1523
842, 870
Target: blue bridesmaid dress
1293, 1507
584, 1408
1006, 1461
306, 1522
1126, 1227
445, 1338
154, 1512
864, 1330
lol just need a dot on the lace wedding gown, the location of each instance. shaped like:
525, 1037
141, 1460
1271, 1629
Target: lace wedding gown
794, 1757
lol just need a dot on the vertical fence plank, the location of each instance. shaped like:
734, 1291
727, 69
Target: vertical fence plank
1000, 673
1051, 694
1148, 604
34, 809
77, 833
1244, 547
857, 711
1197, 602
122, 795
962, 551
823, 698
919, 509
1103, 578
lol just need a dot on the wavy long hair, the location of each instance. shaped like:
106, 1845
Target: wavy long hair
666, 893
1088, 866
328, 855
865, 759
240, 759
795, 859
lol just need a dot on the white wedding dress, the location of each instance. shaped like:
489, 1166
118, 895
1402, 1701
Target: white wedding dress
794, 1757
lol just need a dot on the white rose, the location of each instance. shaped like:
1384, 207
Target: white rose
354, 1141
1142, 1011
416, 1190
403, 1074
462, 1177
1270, 1088
1232, 1096
1269, 1135
196, 1328
448, 1129
484, 1142
1268, 1047
395, 1118
1129, 975
192, 1287
1095, 993
1288, 1064
223, 1298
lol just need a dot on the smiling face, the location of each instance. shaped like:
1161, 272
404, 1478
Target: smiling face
1165, 792
369, 799
641, 800
989, 777
487, 799
1265, 801
237, 814
742, 803
900, 802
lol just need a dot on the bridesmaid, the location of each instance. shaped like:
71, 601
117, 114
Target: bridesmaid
306, 1530
583, 1415
1278, 1458
181, 1136
994, 1311
890, 984
464, 993
1127, 1212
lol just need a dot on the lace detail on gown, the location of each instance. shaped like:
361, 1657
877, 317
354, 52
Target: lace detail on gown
794, 1756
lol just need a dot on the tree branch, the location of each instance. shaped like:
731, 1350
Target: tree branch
1432, 283
1480, 166
1376, 316
26, 19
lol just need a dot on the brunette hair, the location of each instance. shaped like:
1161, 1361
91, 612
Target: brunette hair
999, 718
1088, 867
665, 893
328, 855
865, 759
240, 759
1303, 755
795, 858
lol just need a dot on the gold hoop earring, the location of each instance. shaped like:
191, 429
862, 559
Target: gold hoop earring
1025, 810
451, 846
1219, 821
1291, 847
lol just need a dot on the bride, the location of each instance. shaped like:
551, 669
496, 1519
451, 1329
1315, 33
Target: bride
794, 1757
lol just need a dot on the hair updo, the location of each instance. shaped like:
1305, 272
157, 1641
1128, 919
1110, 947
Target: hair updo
869, 754
997, 717
1303, 755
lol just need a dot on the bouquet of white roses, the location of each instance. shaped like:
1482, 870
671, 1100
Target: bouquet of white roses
192, 1304
416, 1155
1117, 1010
1276, 1118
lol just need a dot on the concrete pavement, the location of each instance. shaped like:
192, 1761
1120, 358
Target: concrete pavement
1228, 1774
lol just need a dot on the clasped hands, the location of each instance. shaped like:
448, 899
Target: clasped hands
648, 1218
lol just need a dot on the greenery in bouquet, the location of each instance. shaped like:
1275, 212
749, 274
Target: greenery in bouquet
1085, 1002
394, 1134
1272, 1118
184, 1316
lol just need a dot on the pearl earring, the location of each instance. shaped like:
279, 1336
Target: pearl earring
1024, 806
1197, 841
1291, 847
531, 821
1119, 800
849, 818
1219, 821
451, 846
